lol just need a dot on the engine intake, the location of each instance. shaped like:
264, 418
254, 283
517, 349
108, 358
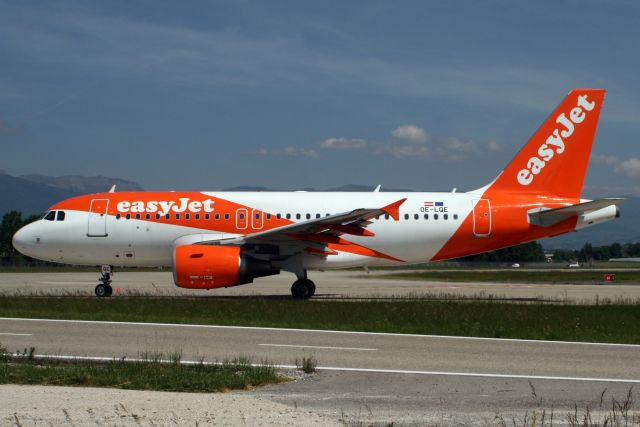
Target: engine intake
208, 267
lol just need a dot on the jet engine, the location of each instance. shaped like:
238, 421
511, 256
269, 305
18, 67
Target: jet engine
208, 267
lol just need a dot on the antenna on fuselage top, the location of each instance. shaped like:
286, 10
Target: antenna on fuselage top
377, 189
113, 189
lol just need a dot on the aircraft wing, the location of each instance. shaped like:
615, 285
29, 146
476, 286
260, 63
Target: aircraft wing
548, 217
320, 230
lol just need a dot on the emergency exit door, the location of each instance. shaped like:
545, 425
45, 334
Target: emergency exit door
98, 218
481, 218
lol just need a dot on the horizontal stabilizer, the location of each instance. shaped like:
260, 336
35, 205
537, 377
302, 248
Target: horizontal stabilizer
547, 217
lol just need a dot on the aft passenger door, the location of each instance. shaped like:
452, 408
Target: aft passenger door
481, 218
97, 226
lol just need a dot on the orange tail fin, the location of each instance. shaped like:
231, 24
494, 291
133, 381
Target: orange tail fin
555, 159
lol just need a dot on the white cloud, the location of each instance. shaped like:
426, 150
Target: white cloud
460, 146
629, 167
261, 152
301, 152
407, 141
411, 133
603, 159
404, 150
344, 143
492, 145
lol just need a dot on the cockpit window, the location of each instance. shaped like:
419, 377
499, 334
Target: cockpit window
50, 216
60, 216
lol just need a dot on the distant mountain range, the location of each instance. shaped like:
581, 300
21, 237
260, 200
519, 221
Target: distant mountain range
32, 194
348, 187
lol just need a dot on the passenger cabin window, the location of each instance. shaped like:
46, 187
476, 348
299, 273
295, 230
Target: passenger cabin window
50, 216
297, 216
60, 216
137, 216
455, 216
278, 216
197, 216
288, 216
217, 216
386, 216
445, 216
416, 216
117, 216
268, 216
128, 216
207, 216
187, 216
148, 216
406, 216
226, 216
435, 216
426, 216
317, 215
157, 216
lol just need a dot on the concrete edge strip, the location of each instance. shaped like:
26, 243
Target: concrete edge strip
266, 328
340, 369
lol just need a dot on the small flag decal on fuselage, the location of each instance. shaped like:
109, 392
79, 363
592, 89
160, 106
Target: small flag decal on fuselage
434, 203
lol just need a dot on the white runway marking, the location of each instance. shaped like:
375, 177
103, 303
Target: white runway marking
11, 334
381, 334
363, 370
319, 347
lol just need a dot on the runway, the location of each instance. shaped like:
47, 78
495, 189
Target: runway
330, 284
362, 377
348, 351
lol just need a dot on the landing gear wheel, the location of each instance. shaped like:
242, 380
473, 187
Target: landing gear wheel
303, 289
103, 290
313, 288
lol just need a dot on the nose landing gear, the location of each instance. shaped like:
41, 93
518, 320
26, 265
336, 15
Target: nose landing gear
104, 289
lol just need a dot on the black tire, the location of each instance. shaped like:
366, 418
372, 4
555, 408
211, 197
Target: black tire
313, 288
302, 289
109, 290
102, 291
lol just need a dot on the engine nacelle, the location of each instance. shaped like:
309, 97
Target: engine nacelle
208, 267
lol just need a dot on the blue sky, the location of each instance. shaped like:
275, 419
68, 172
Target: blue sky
208, 95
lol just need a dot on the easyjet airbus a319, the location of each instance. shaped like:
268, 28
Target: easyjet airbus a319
215, 240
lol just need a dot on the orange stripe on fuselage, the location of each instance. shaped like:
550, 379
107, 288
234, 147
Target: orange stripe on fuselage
510, 225
152, 203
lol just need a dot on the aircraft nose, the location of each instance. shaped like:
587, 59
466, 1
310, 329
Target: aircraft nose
23, 239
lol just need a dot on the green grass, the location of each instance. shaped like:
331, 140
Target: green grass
577, 276
144, 375
608, 322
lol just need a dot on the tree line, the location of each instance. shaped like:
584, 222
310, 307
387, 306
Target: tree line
12, 222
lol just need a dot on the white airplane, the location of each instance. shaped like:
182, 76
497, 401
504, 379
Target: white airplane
215, 240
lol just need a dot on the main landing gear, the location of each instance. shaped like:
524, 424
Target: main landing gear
104, 289
303, 288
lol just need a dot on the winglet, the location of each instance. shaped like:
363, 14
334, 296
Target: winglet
394, 209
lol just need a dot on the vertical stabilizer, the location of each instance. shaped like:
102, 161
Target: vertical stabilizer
555, 159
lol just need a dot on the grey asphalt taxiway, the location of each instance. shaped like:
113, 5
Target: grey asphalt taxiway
370, 376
